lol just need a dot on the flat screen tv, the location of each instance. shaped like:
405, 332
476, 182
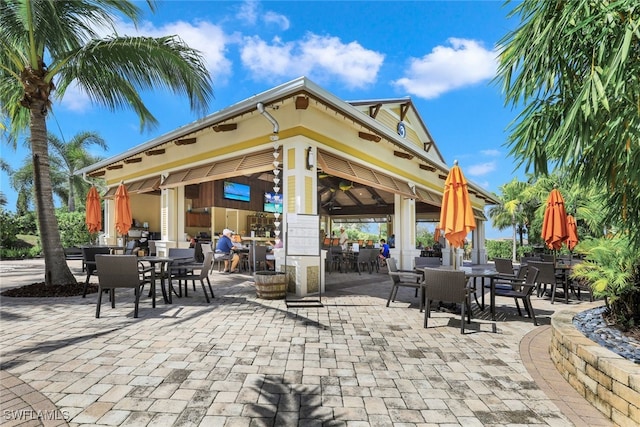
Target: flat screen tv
273, 202
236, 191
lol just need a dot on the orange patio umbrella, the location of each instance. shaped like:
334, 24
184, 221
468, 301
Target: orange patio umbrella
572, 230
554, 225
123, 210
456, 214
93, 215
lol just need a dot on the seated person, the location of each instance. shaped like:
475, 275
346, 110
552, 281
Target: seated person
392, 241
384, 252
271, 258
226, 249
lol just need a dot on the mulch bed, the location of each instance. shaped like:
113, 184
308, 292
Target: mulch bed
40, 290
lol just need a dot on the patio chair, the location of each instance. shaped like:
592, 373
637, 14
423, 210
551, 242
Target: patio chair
191, 275
403, 279
548, 276
335, 259
522, 289
504, 267
374, 259
421, 262
118, 271
548, 258
132, 247
447, 286
74, 253
364, 260
261, 258
89, 258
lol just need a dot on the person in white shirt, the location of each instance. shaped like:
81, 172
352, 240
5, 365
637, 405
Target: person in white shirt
344, 238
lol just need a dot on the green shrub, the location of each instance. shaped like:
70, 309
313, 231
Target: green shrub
15, 253
8, 229
498, 248
73, 229
27, 224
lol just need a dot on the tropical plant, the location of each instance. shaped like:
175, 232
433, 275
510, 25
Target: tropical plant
68, 157
110, 69
73, 231
580, 88
8, 228
22, 180
575, 66
510, 212
612, 269
4, 166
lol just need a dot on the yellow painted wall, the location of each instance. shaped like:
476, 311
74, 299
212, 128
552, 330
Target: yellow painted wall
146, 208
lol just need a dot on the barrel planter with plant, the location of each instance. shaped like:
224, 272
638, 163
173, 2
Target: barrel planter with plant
270, 284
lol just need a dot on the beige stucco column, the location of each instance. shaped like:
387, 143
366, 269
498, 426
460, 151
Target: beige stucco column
109, 237
305, 274
172, 214
479, 251
405, 230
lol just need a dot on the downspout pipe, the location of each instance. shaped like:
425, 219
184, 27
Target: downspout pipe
265, 113
84, 178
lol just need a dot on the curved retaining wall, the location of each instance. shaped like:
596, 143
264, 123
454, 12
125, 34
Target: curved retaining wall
610, 382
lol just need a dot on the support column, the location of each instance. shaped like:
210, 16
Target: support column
305, 274
405, 231
172, 214
109, 237
479, 252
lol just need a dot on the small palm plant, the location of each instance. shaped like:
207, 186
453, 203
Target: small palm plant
612, 269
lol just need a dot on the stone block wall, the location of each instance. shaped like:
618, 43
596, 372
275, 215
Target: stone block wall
610, 382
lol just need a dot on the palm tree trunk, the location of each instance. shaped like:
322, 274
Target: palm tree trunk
57, 271
513, 251
71, 202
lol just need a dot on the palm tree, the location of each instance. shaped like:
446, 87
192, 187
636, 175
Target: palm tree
111, 70
22, 180
70, 156
578, 86
510, 213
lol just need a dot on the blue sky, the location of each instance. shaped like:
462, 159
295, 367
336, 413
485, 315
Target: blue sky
440, 53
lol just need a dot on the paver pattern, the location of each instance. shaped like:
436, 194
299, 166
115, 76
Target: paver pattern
244, 361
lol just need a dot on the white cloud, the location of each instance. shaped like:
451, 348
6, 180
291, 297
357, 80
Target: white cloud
248, 12
75, 99
320, 57
481, 169
275, 18
490, 153
463, 63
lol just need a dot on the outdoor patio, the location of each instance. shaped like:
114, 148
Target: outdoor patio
246, 361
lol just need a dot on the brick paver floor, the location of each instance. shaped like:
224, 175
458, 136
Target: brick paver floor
244, 361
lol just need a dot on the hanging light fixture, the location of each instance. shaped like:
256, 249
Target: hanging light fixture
311, 161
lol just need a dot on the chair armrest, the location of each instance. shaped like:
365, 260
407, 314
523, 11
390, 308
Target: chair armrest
406, 275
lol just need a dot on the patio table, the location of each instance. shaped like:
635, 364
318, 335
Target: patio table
163, 263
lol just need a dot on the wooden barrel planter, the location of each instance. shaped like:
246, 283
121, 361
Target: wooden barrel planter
270, 284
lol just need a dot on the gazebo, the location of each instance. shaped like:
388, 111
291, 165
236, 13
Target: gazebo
328, 159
